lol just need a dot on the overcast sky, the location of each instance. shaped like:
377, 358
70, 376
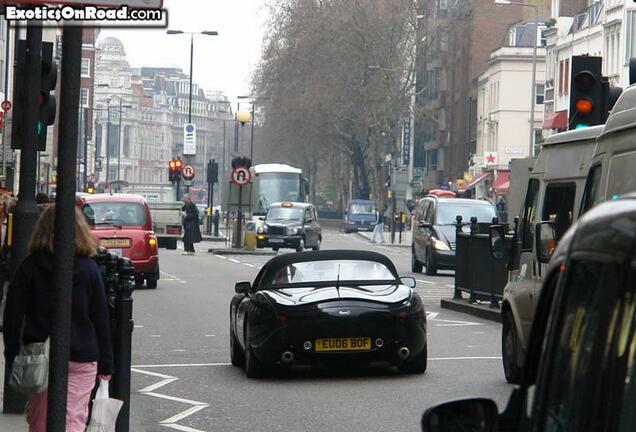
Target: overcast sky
223, 62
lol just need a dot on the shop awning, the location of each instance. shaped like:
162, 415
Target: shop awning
501, 185
473, 183
557, 120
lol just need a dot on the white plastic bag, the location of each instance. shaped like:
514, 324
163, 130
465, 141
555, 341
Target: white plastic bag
105, 410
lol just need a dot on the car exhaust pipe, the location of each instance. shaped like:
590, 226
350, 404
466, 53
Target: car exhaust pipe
287, 357
403, 353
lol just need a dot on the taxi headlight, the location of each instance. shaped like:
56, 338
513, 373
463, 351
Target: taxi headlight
260, 230
440, 245
292, 231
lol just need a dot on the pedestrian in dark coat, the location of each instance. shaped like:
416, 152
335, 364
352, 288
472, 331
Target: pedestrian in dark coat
191, 231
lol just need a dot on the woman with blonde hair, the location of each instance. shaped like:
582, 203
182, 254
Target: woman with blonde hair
29, 310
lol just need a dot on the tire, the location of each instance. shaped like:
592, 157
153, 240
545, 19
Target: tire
139, 281
417, 364
275, 249
237, 356
416, 266
431, 270
172, 244
253, 367
317, 247
301, 245
509, 348
151, 283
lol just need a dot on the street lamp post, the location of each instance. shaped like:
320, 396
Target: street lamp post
534, 64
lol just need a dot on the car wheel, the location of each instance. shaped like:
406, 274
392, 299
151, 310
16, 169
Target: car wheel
317, 247
139, 280
172, 245
431, 270
417, 364
509, 349
237, 357
301, 245
151, 283
253, 367
416, 266
275, 249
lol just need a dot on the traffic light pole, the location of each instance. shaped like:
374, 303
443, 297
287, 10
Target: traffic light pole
26, 211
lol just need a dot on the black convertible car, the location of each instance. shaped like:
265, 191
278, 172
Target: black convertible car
319, 308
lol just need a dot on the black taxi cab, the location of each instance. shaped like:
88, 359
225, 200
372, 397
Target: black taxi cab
290, 225
580, 370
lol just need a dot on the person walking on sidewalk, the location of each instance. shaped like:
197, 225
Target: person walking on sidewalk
29, 310
379, 225
191, 231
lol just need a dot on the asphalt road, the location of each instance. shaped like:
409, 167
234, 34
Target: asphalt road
182, 379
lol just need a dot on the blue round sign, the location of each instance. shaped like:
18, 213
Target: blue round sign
189, 128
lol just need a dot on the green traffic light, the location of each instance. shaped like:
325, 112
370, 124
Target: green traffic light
581, 126
41, 129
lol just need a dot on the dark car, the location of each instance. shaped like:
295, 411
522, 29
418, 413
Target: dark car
290, 225
360, 215
327, 307
580, 370
434, 231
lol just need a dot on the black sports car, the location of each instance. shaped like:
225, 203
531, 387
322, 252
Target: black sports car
318, 308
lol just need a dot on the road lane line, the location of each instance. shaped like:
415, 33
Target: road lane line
221, 257
181, 428
234, 260
184, 414
464, 358
425, 281
249, 265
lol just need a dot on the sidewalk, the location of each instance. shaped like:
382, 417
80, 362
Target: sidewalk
8, 422
406, 238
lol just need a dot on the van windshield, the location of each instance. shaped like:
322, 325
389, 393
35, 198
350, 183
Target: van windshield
448, 212
361, 208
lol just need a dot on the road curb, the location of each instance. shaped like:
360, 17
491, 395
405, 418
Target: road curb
480, 311
361, 235
241, 252
213, 239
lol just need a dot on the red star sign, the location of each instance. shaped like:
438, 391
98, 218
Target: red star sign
490, 159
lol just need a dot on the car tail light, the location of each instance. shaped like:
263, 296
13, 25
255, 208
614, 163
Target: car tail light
152, 241
173, 230
402, 315
281, 318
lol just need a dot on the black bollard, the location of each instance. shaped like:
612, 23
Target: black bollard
122, 341
457, 294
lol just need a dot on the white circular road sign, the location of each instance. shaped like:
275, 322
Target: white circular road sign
241, 176
188, 172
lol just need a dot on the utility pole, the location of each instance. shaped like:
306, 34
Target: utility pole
119, 145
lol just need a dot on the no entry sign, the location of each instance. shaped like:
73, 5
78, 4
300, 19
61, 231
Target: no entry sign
241, 176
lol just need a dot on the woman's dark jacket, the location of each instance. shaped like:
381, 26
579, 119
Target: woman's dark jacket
30, 298
191, 232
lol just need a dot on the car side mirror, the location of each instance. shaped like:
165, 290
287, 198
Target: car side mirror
497, 242
545, 235
242, 287
474, 415
408, 281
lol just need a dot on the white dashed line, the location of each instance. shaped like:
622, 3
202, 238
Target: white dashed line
234, 260
155, 335
249, 265
139, 326
221, 257
210, 335
425, 281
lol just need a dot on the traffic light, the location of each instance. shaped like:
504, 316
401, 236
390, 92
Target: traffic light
213, 172
587, 93
46, 101
174, 170
171, 171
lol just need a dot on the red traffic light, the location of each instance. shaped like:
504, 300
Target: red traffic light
177, 163
584, 106
171, 165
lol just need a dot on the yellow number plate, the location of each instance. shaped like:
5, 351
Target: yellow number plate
343, 344
115, 243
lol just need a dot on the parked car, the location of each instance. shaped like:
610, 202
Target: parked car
325, 308
580, 373
360, 215
122, 224
290, 225
434, 231
554, 192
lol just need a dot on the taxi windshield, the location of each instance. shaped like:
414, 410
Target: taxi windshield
115, 213
285, 213
331, 271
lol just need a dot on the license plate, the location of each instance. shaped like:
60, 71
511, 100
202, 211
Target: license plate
343, 344
276, 240
115, 243
115, 252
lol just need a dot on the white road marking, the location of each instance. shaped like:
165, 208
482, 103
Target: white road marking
472, 346
234, 260
210, 335
431, 315
139, 326
155, 335
478, 332
178, 350
167, 277
221, 257
171, 422
425, 281
464, 358
450, 286
249, 265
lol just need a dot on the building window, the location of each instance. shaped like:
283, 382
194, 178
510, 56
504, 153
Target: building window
84, 97
86, 67
433, 159
566, 80
540, 90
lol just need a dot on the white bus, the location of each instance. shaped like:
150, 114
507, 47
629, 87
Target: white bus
276, 183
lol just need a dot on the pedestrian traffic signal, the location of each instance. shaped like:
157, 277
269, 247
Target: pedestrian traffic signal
47, 106
213, 172
587, 93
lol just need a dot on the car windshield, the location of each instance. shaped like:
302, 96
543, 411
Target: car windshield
447, 212
361, 208
115, 213
331, 271
285, 213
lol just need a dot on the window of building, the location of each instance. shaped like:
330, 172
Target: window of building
84, 97
540, 94
433, 159
86, 67
566, 81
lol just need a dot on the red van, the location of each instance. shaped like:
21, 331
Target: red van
122, 224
